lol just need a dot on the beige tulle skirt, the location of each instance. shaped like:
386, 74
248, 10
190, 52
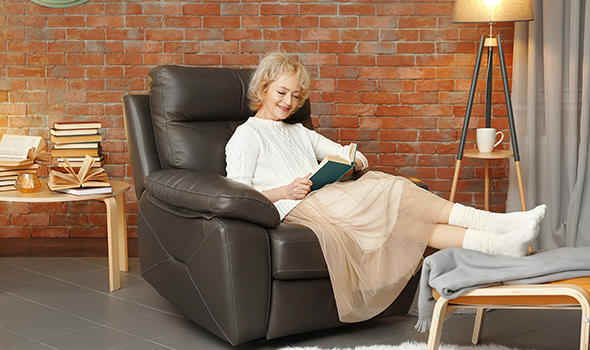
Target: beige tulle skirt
373, 232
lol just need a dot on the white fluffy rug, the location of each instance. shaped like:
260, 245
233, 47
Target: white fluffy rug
410, 345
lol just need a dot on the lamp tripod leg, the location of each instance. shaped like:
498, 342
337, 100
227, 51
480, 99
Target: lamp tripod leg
455, 179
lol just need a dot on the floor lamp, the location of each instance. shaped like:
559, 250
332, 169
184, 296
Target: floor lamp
490, 11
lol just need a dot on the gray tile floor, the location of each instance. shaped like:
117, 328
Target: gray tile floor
64, 303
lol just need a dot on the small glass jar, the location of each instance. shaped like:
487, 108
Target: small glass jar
27, 182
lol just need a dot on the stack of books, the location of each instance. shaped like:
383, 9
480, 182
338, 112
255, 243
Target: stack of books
86, 180
73, 141
17, 156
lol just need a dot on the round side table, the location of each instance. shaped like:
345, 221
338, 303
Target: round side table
116, 220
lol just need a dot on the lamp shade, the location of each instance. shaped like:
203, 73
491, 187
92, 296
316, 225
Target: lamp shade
474, 11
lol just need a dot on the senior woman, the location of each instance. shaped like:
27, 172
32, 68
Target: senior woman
372, 231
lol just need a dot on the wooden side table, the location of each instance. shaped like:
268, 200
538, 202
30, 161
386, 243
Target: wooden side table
116, 220
500, 154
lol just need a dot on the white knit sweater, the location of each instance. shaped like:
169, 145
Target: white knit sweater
267, 154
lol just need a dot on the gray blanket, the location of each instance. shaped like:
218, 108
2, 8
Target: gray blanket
455, 271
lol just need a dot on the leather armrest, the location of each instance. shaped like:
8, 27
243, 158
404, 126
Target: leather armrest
212, 194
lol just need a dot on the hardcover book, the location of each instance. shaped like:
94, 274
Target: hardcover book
75, 139
19, 150
73, 132
332, 168
76, 125
85, 177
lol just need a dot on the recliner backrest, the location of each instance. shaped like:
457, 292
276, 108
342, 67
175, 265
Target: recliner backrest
195, 110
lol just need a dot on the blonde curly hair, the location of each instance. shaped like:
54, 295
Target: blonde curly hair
270, 69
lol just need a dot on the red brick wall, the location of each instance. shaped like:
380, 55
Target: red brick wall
392, 75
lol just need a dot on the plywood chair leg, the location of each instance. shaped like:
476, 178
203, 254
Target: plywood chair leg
438, 317
478, 325
585, 329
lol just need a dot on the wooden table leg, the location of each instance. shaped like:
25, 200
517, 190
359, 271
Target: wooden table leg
486, 203
122, 232
113, 243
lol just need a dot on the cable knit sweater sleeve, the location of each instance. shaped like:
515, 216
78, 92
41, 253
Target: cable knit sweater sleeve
323, 146
241, 154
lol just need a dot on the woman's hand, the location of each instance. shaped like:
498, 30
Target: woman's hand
358, 165
299, 188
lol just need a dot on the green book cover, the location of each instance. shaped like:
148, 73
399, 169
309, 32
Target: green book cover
332, 168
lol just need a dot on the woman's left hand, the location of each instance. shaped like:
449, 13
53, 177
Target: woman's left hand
358, 165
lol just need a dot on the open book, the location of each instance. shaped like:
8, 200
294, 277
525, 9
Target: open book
332, 168
87, 176
18, 150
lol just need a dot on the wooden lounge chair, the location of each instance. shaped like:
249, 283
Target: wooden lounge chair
572, 294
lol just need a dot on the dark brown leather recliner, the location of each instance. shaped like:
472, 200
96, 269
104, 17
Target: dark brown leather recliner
214, 248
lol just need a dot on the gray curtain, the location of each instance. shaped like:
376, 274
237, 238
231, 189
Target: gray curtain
551, 100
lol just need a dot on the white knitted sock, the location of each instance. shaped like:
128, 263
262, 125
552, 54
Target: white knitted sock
494, 222
478, 240
469, 217
513, 243
503, 223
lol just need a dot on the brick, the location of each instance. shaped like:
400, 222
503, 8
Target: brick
282, 34
419, 48
204, 34
338, 21
377, 22
298, 21
356, 60
104, 21
163, 34
357, 9
418, 98
417, 22
396, 9
183, 22
318, 9
148, 46
160, 9
298, 47
143, 21
379, 98
260, 22
201, 9
339, 97
239, 59
49, 232
279, 9
221, 22
394, 110
258, 46
337, 47
15, 232
320, 34
377, 72
360, 34
356, 85
85, 34
239, 9
415, 73
242, 34
355, 109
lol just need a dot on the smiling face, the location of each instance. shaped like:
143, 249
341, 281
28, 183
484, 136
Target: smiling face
281, 98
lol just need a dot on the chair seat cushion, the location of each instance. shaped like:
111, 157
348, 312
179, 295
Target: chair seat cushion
583, 282
296, 253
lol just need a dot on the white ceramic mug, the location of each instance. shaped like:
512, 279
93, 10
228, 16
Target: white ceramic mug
486, 139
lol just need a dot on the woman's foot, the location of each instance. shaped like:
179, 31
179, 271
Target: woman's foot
514, 243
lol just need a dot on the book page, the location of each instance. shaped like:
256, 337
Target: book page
18, 146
